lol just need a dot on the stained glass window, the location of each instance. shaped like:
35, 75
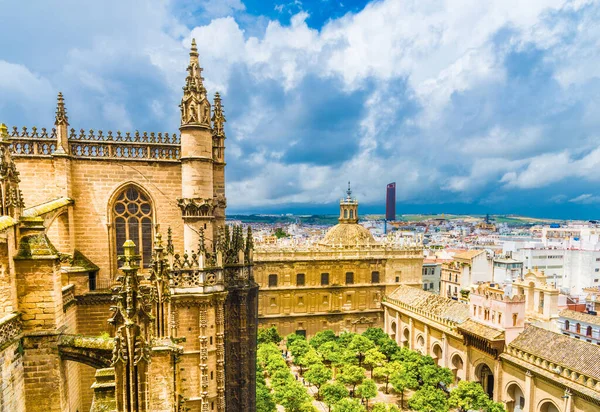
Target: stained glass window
132, 213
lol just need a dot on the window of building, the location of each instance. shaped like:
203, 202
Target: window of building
132, 214
272, 281
597, 270
324, 278
499, 318
325, 300
300, 300
272, 302
456, 278
431, 286
397, 279
348, 298
567, 325
588, 332
424, 286
515, 317
92, 280
578, 328
374, 277
300, 279
351, 214
349, 278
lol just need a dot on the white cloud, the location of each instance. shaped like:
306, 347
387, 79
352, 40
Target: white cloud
586, 198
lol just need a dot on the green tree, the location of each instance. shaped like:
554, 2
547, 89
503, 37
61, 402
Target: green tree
468, 395
389, 348
359, 345
384, 407
433, 375
308, 359
352, 375
279, 233
281, 378
348, 405
292, 396
386, 371
374, 359
299, 348
402, 380
367, 390
495, 407
318, 374
345, 338
322, 337
264, 398
428, 399
269, 335
376, 335
330, 352
292, 338
332, 393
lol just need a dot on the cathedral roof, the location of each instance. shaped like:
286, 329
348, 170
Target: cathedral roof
347, 235
565, 351
431, 303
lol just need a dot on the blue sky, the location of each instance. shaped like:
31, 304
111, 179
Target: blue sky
469, 106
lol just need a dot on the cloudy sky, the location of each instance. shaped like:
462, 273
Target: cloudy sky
470, 106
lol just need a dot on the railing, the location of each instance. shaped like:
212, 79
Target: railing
92, 145
192, 278
68, 296
10, 329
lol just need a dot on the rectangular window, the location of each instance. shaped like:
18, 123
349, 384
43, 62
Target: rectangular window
272, 281
273, 302
424, 286
397, 279
431, 286
348, 298
325, 299
300, 300
92, 280
374, 277
349, 278
324, 278
300, 279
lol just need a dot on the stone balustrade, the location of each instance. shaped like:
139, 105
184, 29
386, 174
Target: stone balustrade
144, 146
11, 328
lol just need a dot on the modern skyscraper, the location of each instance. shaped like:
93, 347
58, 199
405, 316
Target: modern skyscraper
390, 202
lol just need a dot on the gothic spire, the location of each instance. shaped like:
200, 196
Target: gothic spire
195, 108
218, 117
11, 198
61, 112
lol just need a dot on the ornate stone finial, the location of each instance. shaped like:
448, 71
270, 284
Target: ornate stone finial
11, 198
194, 50
218, 117
3, 132
132, 319
195, 108
61, 112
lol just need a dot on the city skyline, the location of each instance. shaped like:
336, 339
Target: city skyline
492, 111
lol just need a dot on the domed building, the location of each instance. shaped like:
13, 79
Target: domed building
336, 283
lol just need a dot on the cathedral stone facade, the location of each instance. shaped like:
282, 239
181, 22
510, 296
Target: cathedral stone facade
121, 287
337, 283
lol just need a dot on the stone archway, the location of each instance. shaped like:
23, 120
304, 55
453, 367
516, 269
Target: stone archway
457, 367
548, 406
437, 353
406, 338
515, 398
485, 376
393, 330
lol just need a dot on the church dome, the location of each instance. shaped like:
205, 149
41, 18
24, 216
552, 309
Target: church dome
348, 234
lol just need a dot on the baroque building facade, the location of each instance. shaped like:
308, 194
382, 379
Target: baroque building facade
121, 287
504, 339
337, 283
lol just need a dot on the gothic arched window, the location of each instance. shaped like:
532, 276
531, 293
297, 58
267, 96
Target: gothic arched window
132, 213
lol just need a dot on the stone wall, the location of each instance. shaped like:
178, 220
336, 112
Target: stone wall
12, 394
93, 184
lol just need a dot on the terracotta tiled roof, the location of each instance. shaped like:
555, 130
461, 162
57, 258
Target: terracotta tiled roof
468, 254
482, 330
575, 354
434, 304
583, 317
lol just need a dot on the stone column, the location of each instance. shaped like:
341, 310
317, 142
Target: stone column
445, 351
411, 337
529, 392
